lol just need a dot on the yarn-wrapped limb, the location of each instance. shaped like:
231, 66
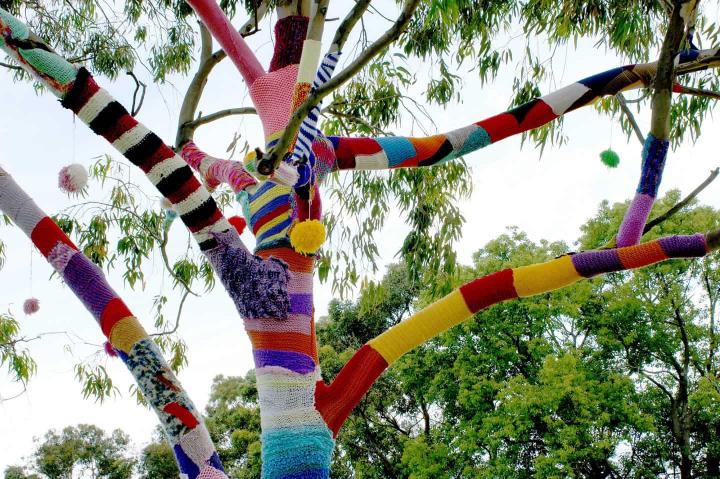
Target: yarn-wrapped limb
337, 400
272, 292
380, 153
181, 421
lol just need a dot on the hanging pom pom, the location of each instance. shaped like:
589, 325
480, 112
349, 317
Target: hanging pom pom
109, 350
610, 158
238, 223
31, 306
73, 178
307, 236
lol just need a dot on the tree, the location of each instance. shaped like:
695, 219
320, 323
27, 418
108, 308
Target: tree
301, 414
17, 472
158, 462
82, 449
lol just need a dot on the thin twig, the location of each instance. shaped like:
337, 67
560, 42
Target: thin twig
630, 117
683, 203
140, 87
10, 67
177, 318
687, 90
202, 120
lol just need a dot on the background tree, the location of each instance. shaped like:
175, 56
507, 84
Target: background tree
157, 461
83, 449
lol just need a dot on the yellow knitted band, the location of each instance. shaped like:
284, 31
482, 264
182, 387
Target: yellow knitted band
420, 327
126, 333
544, 277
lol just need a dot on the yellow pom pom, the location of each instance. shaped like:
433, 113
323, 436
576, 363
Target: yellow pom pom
307, 236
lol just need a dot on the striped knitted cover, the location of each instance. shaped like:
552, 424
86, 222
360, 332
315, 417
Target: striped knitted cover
337, 400
300, 414
407, 152
180, 419
302, 155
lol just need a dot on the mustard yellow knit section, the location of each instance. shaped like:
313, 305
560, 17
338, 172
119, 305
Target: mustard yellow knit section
544, 277
126, 333
423, 325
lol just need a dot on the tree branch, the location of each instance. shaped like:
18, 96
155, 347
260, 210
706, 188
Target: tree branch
208, 61
630, 117
347, 25
317, 25
683, 203
701, 92
664, 79
139, 86
268, 164
10, 67
202, 120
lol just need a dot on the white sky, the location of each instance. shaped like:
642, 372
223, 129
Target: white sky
548, 198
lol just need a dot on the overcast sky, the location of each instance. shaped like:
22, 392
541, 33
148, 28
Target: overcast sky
548, 197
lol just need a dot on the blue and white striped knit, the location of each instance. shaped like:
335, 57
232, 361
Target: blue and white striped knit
308, 129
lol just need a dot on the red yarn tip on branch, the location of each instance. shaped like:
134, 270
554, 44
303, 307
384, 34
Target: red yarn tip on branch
238, 223
109, 350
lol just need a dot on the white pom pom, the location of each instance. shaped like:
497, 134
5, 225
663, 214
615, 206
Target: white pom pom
73, 178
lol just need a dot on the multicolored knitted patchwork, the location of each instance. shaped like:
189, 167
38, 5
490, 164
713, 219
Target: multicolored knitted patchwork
408, 152
179, 417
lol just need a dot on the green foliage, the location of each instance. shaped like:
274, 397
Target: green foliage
86, 449
233, 420
17, 472
158, 462
20, 365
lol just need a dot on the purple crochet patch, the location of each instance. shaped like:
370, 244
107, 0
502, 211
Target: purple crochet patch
684, 246
296, 362
258, 287
301, 304
633, 223
88, 283
592, 263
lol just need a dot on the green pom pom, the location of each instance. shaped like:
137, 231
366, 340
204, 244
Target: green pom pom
610, 158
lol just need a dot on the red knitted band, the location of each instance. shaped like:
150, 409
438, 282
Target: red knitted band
290, 33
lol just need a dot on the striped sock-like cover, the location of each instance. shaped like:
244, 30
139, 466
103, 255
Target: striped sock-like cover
338, 400
180, 419
406, 152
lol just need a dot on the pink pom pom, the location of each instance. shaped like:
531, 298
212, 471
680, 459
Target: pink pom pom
31, 306
109, 350
73, 178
